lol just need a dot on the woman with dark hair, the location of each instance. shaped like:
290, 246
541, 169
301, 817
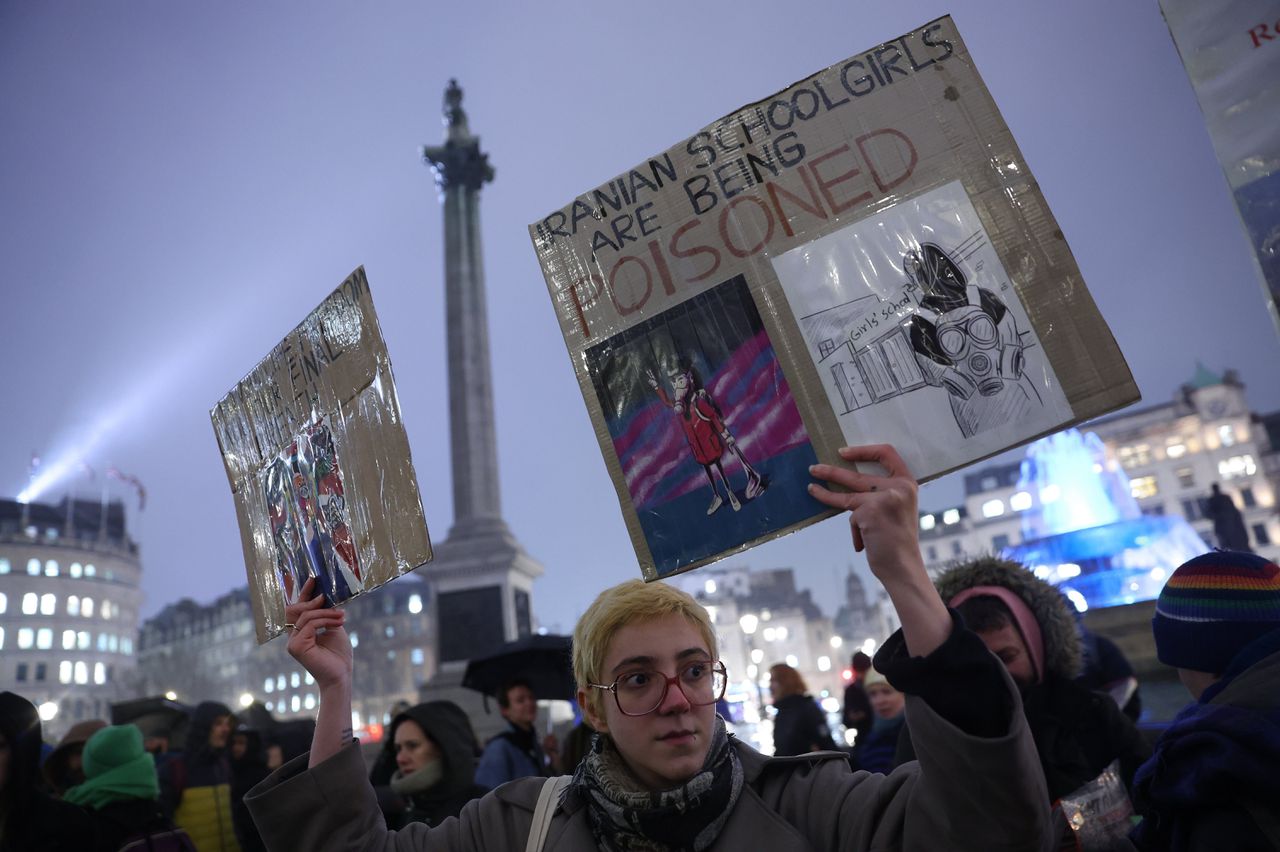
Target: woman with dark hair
30, 819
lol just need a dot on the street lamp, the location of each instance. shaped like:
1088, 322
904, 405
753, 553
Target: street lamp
749, 622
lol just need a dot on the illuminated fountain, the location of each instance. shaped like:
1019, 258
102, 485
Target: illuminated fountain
1084, 531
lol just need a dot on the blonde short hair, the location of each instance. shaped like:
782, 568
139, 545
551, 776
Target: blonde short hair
619, 606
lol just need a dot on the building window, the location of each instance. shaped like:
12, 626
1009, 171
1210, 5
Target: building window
1260, 535
64, 671
68, 640
1135, 456
951, 516
51, 568
86, 607
1176, 449
73, 605
48, 604
30, 603
956, 550
993, 508
76, 569
1227, 435
4, 566
89, 570
82, 640
26, 637
33, 567
1020, 502
82, 672
21, 674
107, 610
1142, 487
99, 673
44, 638
310, 702
416, 656
268, 685
928, 522
1153, 511
4, 602
999, 542
1246, 496
933, 553
280, 683
989, 483
42, 671
1186, 477
1, 638
126, 645
415, 604
295, 680
1237, 466
1192, 510
390, 631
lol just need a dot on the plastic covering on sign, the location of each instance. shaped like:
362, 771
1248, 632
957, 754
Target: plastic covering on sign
319, 463
1100, 813
863, 257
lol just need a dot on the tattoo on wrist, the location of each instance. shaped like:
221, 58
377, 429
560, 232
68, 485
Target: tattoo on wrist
347, 734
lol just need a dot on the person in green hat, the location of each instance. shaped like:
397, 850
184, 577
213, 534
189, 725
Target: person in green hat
121, 792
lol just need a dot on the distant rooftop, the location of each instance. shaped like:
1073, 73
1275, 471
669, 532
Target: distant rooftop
68, 522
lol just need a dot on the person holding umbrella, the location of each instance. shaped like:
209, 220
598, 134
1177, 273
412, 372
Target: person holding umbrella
663, 771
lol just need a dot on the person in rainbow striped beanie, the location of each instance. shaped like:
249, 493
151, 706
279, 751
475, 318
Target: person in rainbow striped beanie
1211, 783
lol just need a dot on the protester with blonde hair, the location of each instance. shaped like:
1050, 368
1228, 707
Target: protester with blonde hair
665, 774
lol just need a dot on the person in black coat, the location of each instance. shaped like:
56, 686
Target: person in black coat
800, 726
434, 751
30, 819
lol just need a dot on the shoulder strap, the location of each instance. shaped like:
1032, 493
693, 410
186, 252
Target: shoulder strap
548, 800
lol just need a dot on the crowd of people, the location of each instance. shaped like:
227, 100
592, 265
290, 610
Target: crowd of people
992, 719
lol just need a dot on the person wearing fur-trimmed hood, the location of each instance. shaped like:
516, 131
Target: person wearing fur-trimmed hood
1026, 623
434, 752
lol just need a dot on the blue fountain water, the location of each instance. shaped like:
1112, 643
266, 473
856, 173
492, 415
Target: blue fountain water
1086, 533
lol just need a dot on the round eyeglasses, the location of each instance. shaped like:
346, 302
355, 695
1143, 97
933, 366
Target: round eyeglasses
642, 691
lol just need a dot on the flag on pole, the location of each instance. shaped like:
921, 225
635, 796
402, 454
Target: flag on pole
115, 473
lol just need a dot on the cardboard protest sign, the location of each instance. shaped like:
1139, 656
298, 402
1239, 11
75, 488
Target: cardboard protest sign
318, 461
862, 257
1232, 54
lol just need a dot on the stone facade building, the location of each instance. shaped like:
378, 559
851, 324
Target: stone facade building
69, 602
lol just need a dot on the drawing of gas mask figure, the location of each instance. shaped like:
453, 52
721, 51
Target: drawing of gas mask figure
966, 340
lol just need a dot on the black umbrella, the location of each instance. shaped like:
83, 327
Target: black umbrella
542, 661
155, 715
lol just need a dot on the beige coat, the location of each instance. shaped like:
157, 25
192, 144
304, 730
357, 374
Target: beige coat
964, 793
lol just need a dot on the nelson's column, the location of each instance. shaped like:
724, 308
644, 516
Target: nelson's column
481, 578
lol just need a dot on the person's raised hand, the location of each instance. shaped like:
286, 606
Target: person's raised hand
317, 638
882, 508
884, 519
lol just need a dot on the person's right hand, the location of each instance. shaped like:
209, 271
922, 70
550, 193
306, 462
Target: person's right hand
318, 640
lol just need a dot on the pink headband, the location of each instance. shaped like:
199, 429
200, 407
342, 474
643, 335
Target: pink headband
1023, 618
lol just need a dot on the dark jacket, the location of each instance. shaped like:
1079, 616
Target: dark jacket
1077, 732
800, 727
33, 821
857, 715
246, 773
195, 785
875, 752
1212, 782
117, 822
450, 730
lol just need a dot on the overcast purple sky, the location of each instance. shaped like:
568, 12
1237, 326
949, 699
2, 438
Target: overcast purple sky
181, 183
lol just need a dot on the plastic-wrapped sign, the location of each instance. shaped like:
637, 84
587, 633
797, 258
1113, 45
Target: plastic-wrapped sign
1232, 52
319, 464
862, 257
